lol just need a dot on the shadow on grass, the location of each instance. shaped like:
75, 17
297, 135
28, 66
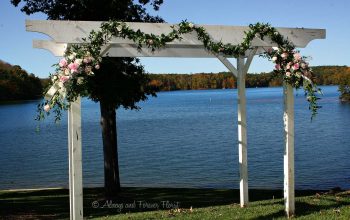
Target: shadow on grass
311, 205
54, 203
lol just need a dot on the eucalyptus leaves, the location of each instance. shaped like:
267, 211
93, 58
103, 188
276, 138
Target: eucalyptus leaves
80, 61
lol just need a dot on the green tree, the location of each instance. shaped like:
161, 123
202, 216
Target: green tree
121, 82
344, 88
17, 84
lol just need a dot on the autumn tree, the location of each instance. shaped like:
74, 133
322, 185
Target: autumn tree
121, 82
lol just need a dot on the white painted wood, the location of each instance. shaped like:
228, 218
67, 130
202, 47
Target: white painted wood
228, 64
242, 133
57, 49
288, 118
127, 50
75, 161
249, 59
74, 31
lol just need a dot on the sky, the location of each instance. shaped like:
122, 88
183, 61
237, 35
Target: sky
332, 15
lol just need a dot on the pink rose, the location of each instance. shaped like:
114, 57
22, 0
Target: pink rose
296, 66
64, 79
63, 63
87, 60
297, 56
73, 67
277, 67
284, 55
46, 108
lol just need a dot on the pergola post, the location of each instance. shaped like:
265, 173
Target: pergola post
288, 118
242, 133
75, 161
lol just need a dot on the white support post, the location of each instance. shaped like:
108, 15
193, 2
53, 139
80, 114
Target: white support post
242, 133
75, 161
288, 118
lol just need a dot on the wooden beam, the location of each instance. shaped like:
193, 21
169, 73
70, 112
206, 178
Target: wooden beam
228, 64
75, 161
127, 50
249, 60
57, 49
242, 133
74, 31
288, 117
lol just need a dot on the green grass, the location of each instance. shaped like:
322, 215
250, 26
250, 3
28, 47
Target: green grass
205, 203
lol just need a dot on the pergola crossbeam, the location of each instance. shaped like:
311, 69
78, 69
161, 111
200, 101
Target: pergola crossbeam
74, 31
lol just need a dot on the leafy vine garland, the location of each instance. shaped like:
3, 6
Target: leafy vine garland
81, 60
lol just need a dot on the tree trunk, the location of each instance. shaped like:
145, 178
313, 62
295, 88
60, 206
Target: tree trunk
110, 149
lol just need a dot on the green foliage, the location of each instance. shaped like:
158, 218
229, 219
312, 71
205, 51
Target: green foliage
133, 84
17, 84
344, 87
91, 10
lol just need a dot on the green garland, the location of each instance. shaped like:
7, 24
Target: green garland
81, 60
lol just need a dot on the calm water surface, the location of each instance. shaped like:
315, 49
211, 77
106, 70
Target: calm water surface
184, 139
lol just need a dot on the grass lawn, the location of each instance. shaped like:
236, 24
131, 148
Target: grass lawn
165, 203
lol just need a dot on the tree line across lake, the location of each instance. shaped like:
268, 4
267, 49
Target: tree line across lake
324, 75
17, 84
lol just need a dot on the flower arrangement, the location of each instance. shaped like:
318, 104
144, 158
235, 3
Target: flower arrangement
80, 61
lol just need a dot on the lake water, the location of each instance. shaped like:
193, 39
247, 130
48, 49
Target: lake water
184, 139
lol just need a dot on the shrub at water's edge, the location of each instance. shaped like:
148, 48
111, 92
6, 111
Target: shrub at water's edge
344, 89
17, 84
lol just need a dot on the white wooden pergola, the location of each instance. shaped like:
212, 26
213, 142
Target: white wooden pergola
64, 33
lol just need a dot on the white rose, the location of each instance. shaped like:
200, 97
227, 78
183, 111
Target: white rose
190, 25
78, 61
274, 59
72, 56
80, 80
66, 72
47, 108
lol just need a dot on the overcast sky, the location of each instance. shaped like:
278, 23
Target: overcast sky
16, 43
